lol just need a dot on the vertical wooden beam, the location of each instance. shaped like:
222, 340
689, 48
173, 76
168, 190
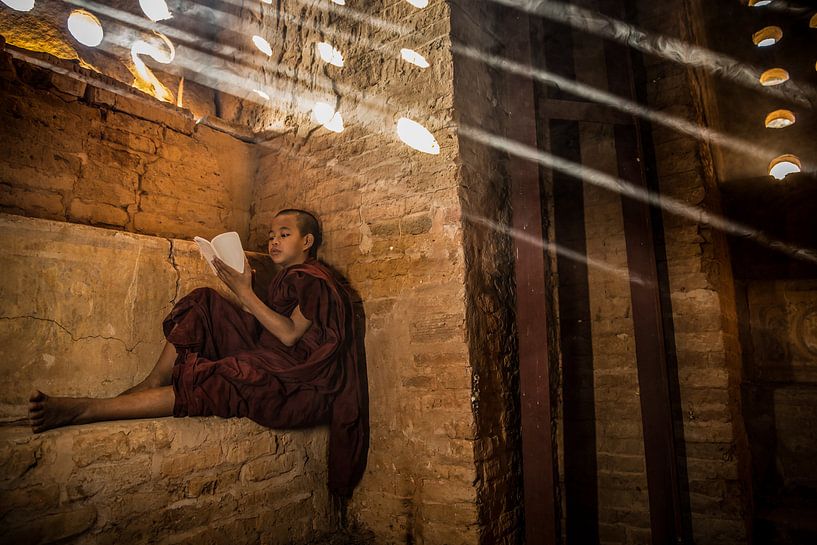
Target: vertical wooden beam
530, 268
651, 358
653, 377
580, 469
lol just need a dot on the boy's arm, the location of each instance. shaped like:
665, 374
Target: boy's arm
288, 330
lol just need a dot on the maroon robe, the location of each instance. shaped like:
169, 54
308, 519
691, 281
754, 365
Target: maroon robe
229, 365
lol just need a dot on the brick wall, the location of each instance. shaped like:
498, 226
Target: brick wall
198, 480
391, 218
435, 285
622, 482
489, 278
103, 155
702, 292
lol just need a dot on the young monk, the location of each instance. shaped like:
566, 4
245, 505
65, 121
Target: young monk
289, 362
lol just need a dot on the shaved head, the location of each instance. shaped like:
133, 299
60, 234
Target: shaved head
307, 224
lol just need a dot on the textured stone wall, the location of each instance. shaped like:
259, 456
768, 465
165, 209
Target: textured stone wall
391, 217
189, 480
191, 30
489, 279
701, 290
193, 480
782, 341
67, 335
79, 152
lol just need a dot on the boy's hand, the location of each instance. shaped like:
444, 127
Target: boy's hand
239, 283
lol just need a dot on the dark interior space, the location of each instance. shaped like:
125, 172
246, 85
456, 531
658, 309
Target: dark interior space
580, 237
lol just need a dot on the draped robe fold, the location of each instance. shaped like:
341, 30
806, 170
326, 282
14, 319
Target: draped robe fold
229, 365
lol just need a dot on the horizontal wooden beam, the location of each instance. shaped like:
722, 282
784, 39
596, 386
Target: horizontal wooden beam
590, 112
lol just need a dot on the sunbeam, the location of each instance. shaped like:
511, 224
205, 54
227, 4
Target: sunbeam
166, 56
627, 189
235, 56
633, 108
662, 46
558, 249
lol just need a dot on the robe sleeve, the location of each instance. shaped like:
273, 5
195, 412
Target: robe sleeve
312, 295
317, 303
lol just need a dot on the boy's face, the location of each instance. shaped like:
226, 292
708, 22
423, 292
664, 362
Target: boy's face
286, 244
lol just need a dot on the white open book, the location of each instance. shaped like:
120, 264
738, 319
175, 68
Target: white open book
226, 246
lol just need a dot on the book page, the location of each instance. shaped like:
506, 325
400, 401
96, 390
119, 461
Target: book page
207, 251
228, 248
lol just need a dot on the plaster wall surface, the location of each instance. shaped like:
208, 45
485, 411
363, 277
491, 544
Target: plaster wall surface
160, 481
67, 336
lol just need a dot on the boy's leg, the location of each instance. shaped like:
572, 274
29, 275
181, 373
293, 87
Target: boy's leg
47, 412
161, 373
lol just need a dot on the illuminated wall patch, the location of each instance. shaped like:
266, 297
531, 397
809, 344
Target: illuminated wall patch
774, 76
262, 44
19, 5
155, 10
330, 55
767, 36
85, 27
144, 74
780, 119
409, 55
326, 115
416, 136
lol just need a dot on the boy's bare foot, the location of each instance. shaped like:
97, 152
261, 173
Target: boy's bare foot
45, 412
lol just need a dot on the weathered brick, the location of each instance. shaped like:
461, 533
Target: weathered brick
199, 460
52, 527
68, 85
435, 327
40, 203
97, 213
267, 467
101, 97
416, 224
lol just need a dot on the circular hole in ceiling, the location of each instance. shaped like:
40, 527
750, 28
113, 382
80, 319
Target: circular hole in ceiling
767, 36
774, 76
782, 166
780, 119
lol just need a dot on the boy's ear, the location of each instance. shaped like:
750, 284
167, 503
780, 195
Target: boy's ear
309, 240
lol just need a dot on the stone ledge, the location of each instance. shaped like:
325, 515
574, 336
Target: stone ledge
163, 480
72, 80
81, 307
